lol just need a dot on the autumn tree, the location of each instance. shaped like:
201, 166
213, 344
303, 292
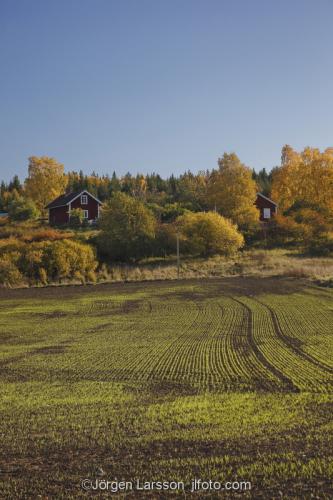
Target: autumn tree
303, 187
127, 229
46, 180
304, 177
232, 191
208, 233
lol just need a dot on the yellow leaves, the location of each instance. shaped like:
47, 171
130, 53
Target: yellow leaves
232, 191
208, 233
306, 176
46, 180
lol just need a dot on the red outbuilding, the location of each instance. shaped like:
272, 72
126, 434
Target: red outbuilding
60, 208
266, 206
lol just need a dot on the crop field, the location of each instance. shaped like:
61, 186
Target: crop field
223, 379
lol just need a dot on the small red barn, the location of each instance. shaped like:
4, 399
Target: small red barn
266, 206
60, 208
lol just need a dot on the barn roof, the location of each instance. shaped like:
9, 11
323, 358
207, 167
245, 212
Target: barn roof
66, 199
266, 198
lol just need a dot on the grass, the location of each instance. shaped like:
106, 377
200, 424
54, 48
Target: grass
222, 379
252, 262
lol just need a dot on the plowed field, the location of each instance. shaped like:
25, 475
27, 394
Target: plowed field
219, 379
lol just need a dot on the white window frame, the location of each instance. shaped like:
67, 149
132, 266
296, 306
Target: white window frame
84, 199
85, 214
267, 213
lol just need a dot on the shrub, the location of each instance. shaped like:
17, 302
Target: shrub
9, 272
76, 217
289, 231
127, 229
10, 244
67, 258
46, 235
165, 241
32, 259
42, 276
208, 233
42, 262
21, 209
321, 245
307, 226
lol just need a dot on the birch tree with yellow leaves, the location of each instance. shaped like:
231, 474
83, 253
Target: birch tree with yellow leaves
232, 192
304, 177
46, 180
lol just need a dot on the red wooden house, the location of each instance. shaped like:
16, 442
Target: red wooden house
266, 206
60, 208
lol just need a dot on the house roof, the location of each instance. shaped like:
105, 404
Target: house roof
66, 199
268, 199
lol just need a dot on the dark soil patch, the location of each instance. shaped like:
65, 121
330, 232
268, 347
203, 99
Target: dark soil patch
234, 285
142, 460
237, 286
106, 308
52, 349
99, 328
53, 315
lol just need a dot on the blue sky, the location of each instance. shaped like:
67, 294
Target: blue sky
163, 85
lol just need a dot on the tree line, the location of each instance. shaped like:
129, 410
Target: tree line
167, 197
212, 211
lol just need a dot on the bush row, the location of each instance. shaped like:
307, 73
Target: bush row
130, 231
47, 261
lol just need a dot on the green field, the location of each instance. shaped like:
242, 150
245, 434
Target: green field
222, 379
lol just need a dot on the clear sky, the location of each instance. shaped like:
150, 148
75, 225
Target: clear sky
163, 85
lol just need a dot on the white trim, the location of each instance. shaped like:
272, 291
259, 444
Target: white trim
66, 204
84, 214
268, 199
96, 199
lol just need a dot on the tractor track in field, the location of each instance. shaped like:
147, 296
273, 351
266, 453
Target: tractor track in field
286, 381
249, 368
290, 343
